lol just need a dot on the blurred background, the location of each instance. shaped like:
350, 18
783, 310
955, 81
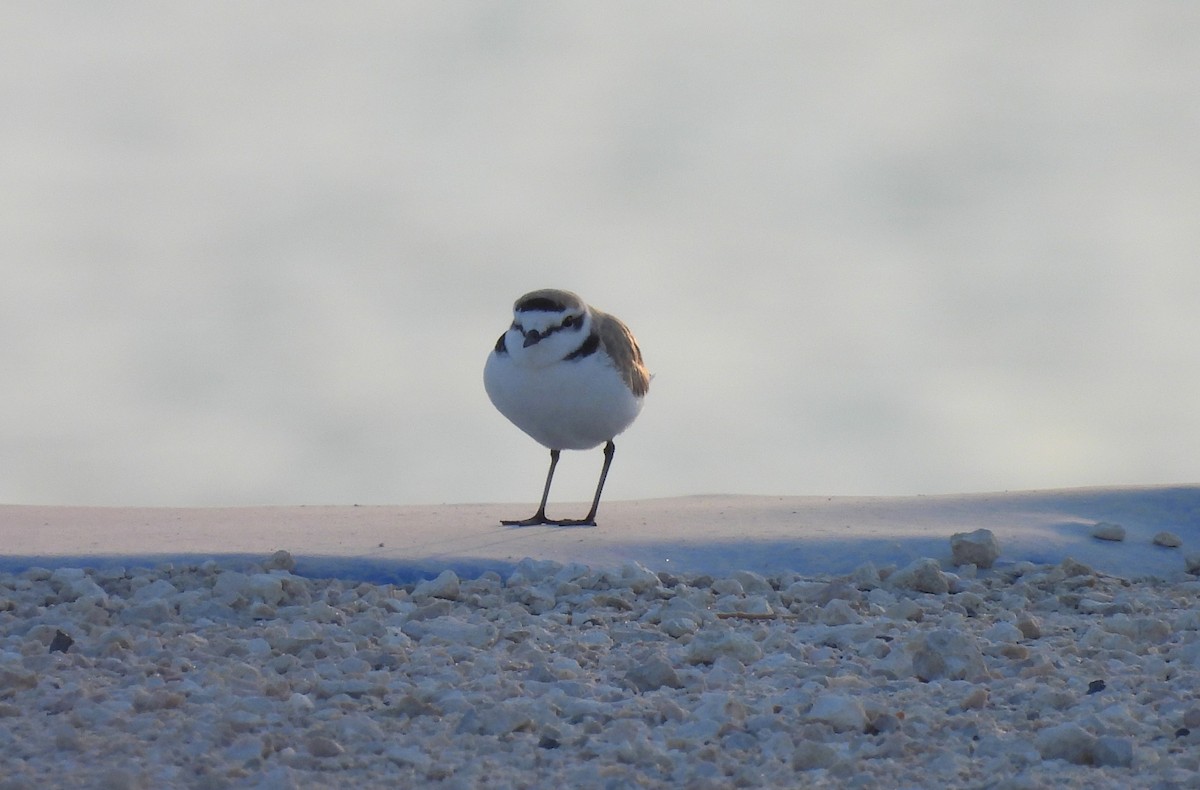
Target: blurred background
257, 253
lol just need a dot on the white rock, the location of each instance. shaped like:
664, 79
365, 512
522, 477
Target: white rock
711, 643
74, 584
653, 673
636, 577
779, 746
947, 654
594, 637
408, 755
234, 587
358, 729
1192, 563
1106, 530
573, 572
1189, 654
843, 713
504, 719
728, 586
803, 591
1142, 630
446, 586
265, 587
810, 755
455, 631
539, 600
61, 576
1071, 567
906, 609
67, 738
1168, 539
280, 561
976, 700
678, 626
839, 612
979, 548
921, 575
1031, 626
753, 583
1004, 632
695, 730
300, 703
1111, 750
530, 571
720, 706
756, 604
678, 606
299, 635
159, 588
245, 748
321, 746
149, 613
970, 601
1066, 741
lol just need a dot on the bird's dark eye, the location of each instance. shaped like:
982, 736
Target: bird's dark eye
569, 321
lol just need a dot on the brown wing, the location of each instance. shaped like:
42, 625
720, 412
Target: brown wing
619, 343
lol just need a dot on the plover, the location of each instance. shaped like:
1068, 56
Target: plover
571, 377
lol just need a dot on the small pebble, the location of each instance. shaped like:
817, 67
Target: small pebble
1112, 751
841, 712
1030, 626
921, 575
280, 560
1067, 741
1168, 539
979, 548
1106, 530
61, 642
320, 746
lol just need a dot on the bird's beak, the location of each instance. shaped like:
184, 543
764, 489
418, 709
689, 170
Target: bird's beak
531, 337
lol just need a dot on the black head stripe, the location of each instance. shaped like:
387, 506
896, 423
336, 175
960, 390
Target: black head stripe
589, 347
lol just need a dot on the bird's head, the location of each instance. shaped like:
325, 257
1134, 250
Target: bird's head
547, 326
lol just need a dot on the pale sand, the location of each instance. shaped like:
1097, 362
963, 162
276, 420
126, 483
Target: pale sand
703, 534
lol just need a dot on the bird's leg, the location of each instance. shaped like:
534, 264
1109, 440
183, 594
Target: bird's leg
590, 519
540, 516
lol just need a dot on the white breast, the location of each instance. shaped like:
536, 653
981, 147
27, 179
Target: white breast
569, 405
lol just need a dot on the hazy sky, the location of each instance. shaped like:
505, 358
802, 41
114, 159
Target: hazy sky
257, 253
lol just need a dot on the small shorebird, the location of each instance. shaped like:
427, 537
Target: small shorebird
571, 377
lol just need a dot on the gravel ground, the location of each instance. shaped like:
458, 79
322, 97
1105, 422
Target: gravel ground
560, 676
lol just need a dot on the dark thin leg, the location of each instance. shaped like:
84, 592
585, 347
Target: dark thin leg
587, 521
590, 519
540, 516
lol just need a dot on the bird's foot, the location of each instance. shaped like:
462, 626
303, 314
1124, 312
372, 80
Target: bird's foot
532, 521
539, 519
574, 522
